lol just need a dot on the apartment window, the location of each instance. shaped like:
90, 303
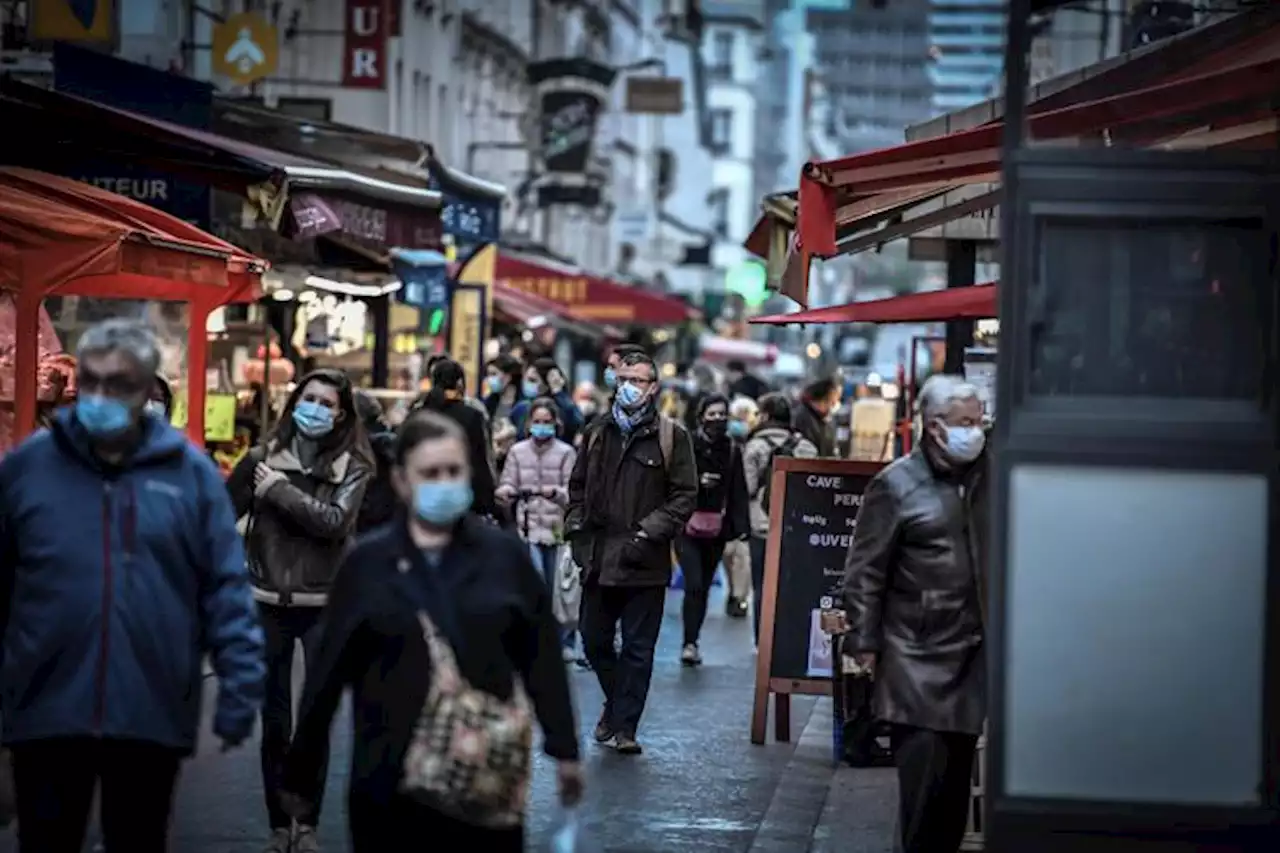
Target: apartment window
718, 201
721, 56
315, 109
721, 130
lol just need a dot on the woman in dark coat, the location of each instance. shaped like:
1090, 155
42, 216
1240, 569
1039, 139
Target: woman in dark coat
299, 494
544, 378
448, 397
476, 584
722, 494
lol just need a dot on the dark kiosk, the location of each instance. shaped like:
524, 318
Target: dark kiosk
1133, 643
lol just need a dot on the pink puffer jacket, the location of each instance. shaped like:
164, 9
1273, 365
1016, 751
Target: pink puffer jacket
532, 467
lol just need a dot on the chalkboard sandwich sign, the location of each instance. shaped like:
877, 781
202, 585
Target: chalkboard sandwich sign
813, 508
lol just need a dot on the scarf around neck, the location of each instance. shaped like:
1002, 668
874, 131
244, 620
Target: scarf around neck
628, 422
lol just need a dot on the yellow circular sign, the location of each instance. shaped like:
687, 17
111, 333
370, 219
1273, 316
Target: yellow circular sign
245, 48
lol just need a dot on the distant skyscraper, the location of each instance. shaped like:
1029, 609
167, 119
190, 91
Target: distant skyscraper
967, 51
871, 65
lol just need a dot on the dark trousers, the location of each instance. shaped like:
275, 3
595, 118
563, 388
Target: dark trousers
283, 628
757, 546
934, 773
699, 559
55, 779
624, 675
546, 558
382, 825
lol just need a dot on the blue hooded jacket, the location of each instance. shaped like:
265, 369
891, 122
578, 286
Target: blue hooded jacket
113, 584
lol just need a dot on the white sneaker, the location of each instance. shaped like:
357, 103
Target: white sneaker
690, 656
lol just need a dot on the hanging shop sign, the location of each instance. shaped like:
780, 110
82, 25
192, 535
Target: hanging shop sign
73, 21
364, 44
571, 95
469, 221
380, 228
655, 96
245, 48
140, 89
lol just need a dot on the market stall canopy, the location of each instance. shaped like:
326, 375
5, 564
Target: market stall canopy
527, 309
721, 349
588, 297
303, 196
977, 302
1235, 82
62, 236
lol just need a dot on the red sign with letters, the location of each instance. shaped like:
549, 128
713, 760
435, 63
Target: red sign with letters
366, 29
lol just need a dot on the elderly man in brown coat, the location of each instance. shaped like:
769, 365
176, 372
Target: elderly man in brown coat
913, 591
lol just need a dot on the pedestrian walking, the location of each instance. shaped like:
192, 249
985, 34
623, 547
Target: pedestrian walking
444, 633
773, 437
631, 492
914, 587
720, 516
812, 416
300, 494
544, 378
448, 397
535, 481
379, 498
744, 414
501, 389
120, 568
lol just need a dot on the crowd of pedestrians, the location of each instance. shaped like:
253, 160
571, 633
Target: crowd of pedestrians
443, 570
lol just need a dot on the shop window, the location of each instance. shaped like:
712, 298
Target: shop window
718, 200
315, 109
721, 65
721, 131
1143, 309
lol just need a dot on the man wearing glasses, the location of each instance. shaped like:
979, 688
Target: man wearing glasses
630, 494
120, 568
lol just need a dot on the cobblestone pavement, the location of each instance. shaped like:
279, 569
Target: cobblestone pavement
700, 786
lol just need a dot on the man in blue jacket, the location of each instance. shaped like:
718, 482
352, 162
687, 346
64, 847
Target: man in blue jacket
120, 567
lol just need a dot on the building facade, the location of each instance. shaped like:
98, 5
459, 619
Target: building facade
966, 51
731, 43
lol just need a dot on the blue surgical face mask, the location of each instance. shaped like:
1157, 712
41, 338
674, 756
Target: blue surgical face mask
103, 417
964, 444
531, 389
495, 384
312, 419
542, 432
738, 429
629, 395
442, 502
610, 378
156, 407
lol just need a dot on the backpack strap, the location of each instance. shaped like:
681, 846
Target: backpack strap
666, 440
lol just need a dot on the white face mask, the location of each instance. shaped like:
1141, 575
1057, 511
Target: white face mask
156, 407
964, 444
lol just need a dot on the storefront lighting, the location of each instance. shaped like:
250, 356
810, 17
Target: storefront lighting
890, 391
874, 380
306, 296
348, 288
282, 294
668, 370
813, 351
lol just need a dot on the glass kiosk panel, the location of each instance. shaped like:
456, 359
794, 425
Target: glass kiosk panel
1116, 687
1131, 307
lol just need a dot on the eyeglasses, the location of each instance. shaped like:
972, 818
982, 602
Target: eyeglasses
111, 384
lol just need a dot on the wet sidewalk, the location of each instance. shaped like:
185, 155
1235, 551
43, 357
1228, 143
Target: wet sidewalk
821, 808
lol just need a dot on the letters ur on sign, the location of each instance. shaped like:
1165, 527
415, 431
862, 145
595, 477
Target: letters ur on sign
364, 49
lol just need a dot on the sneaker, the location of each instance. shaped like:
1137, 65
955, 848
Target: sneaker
736, 608
627, 745
690, 655
604, 732
305, 841
280, 842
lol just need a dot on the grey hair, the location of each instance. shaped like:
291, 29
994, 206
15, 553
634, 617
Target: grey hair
132, 337
634, 358
940, 391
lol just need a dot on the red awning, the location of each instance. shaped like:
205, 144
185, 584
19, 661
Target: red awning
936, 306
523, 307
66, 237
587, 297
973, 156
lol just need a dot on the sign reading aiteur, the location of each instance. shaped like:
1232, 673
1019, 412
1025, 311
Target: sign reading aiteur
364, 44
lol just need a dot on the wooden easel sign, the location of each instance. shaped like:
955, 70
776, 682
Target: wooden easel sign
813, 507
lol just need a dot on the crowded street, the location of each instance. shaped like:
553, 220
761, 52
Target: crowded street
643, 426
697, 787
